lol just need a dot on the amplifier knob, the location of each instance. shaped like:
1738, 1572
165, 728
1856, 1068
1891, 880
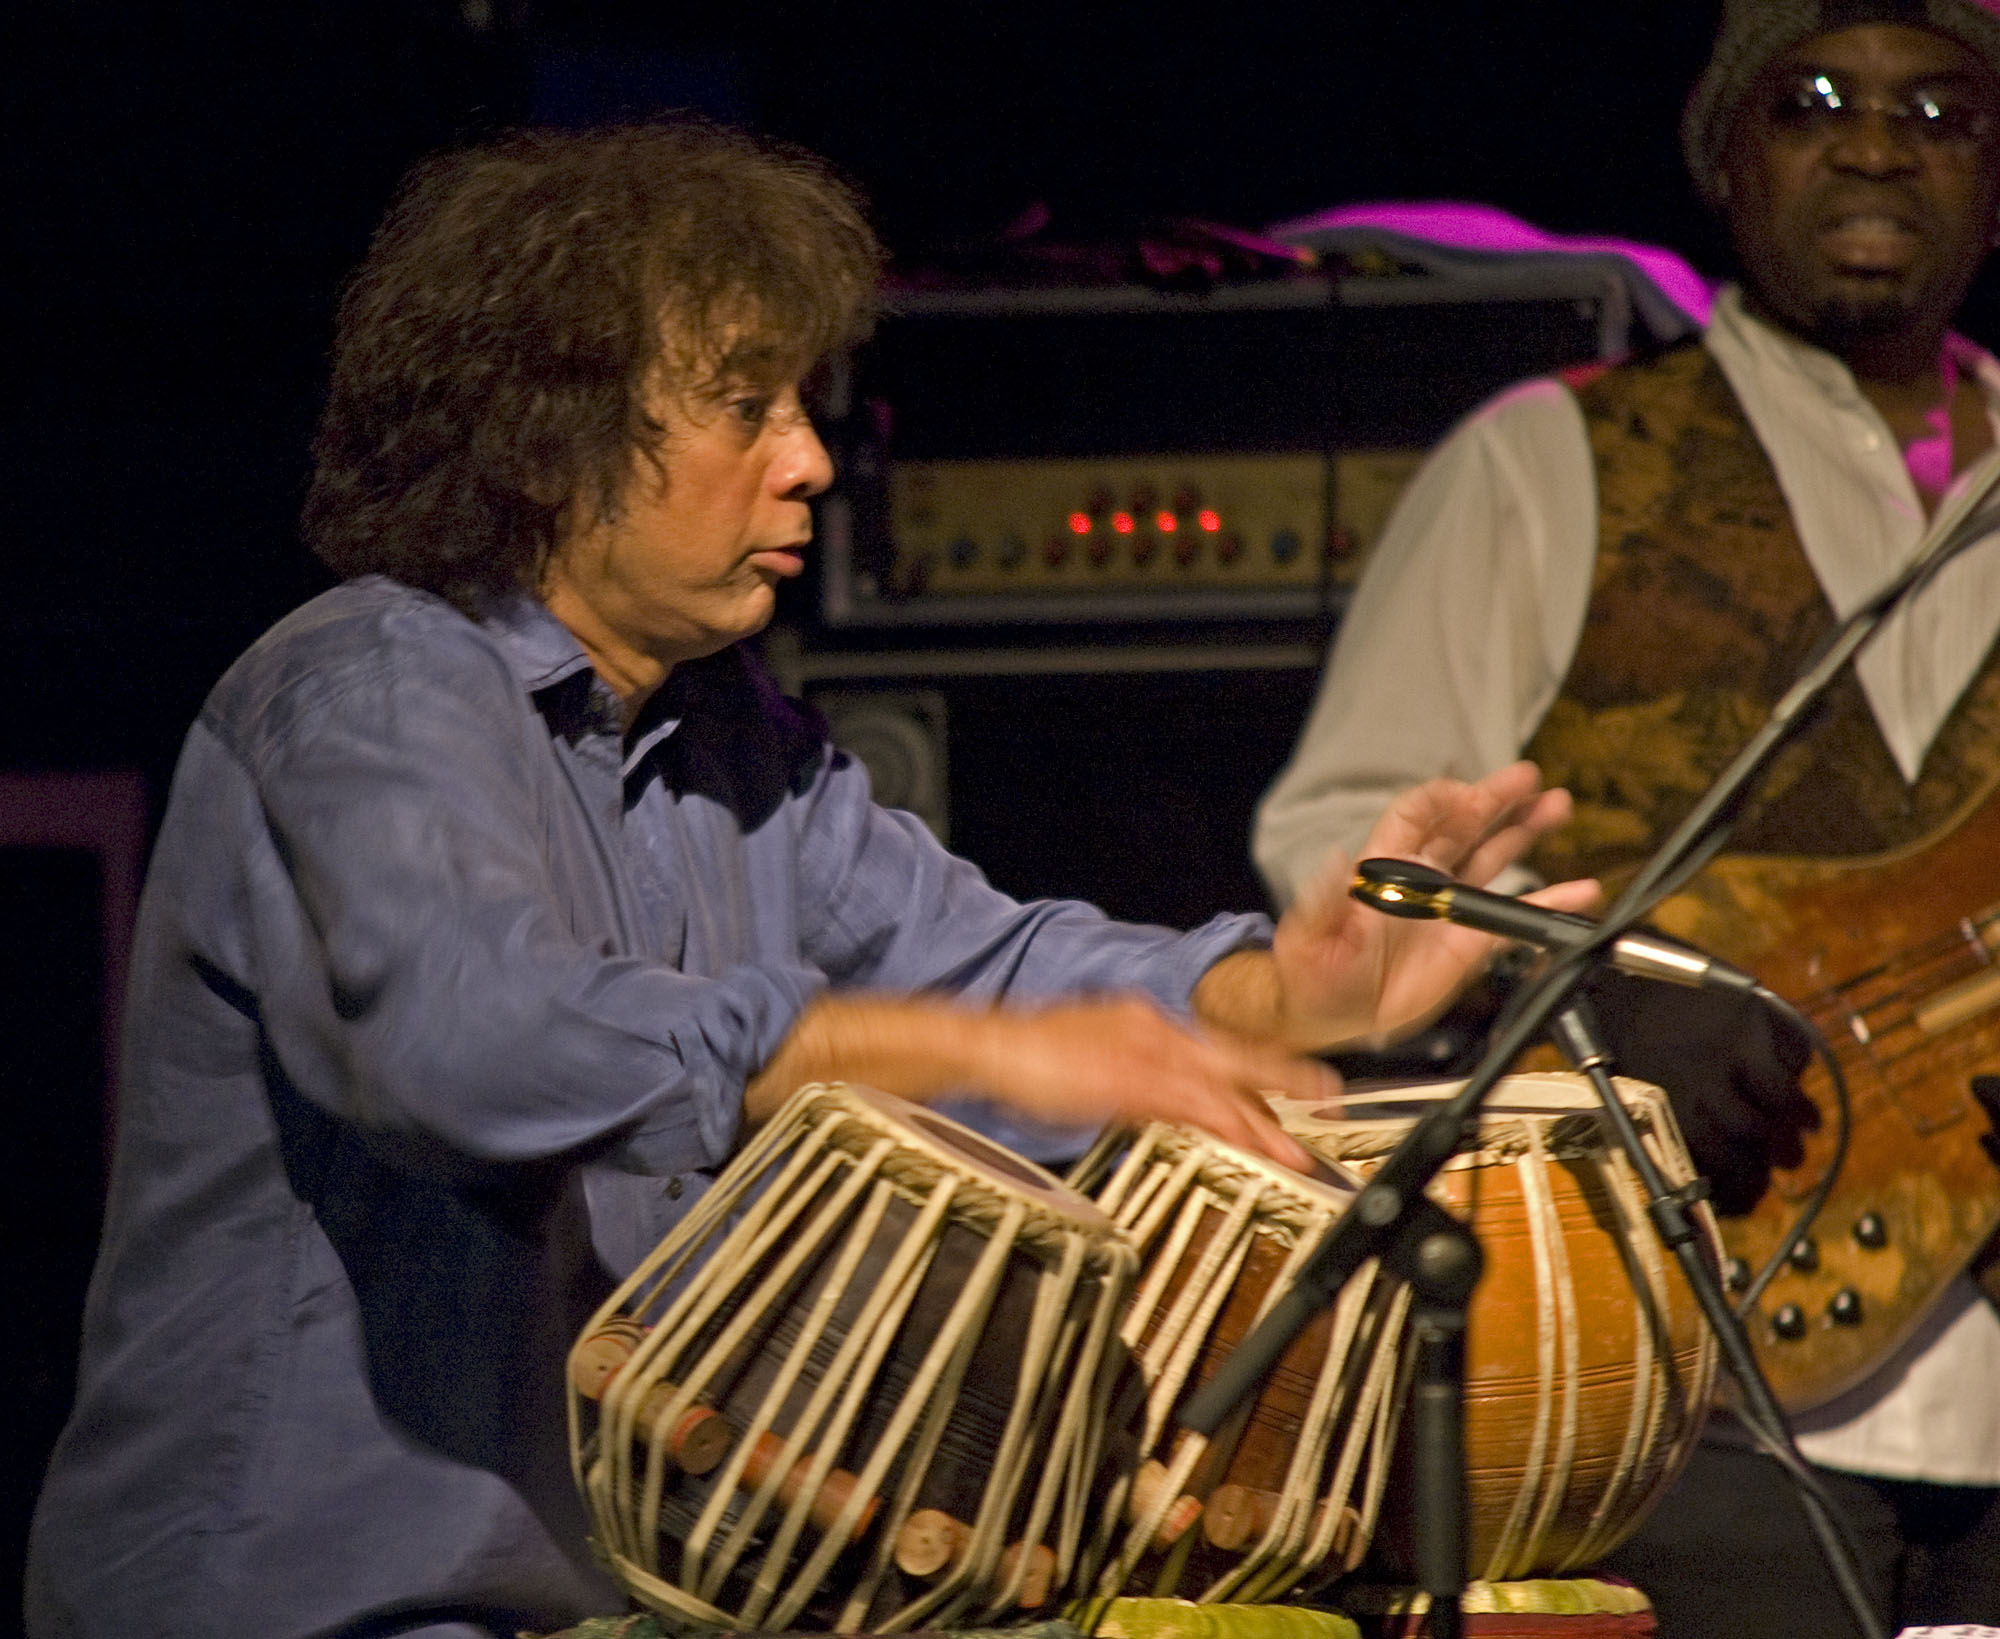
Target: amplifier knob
1187, 499
1187, 547
1871, 1231
1789, 1323
1285, 545
1099, 501
1143, 548
1228, 547
1055, 550
1144, 498
1011, 553
1098, 551
1844, 1308
964, 552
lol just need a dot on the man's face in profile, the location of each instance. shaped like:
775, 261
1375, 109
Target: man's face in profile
1860, 181
691, 561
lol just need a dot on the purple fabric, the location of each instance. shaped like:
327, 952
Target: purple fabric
1464, 226
1930, 458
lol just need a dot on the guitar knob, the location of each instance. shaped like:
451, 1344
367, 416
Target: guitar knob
1844, 1307
1789, 1323
1735, 1274
1804, 1254
1870, 1231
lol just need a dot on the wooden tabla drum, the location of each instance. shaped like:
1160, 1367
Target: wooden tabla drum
1286, 1492
1588, 1366
864, 1383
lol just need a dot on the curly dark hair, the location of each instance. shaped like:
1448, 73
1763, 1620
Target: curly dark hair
497, 350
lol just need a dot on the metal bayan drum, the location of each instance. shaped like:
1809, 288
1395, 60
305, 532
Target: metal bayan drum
865, 1382
1287, 1490
1588, 1366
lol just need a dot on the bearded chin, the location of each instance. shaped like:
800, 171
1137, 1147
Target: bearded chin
1845, 319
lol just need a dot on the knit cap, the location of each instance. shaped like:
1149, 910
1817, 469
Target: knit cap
1755, 31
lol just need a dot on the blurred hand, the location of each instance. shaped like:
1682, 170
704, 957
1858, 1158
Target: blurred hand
1121, 1061
1347, 972
1729, 1066
1077, 1063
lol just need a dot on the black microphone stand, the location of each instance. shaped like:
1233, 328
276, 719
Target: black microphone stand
1392, 1210
1574, 1030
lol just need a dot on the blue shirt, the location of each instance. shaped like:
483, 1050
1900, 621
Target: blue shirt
443, 997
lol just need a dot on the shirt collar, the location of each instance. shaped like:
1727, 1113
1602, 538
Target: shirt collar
540, 650
1780, 349
543, 653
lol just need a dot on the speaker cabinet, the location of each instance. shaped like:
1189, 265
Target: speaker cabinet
1133, 790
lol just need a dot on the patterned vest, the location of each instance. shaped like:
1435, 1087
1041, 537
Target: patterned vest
1703, 608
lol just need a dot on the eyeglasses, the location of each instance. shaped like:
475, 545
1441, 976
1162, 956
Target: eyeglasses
1815, 108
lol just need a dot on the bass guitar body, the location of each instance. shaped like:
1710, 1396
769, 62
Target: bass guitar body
1897, 959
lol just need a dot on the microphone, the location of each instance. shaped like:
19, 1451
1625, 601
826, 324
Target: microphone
1401, 887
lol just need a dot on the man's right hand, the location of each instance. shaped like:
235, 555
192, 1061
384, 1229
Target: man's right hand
1077, 1062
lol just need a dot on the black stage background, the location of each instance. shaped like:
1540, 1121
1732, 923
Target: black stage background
188, 183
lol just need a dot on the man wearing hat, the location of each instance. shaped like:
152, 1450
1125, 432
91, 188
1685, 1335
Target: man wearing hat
1621, 572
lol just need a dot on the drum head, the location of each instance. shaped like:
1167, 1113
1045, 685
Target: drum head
1539, 1097
1329, 1186
960, 1150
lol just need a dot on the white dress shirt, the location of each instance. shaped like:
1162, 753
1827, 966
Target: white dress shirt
1464, 627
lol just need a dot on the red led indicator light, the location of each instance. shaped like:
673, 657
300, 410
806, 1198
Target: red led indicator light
1079, 523
1166, 522
1122, 522
1209, 519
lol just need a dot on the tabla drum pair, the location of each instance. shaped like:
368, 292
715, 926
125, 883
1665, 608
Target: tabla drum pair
886, 1375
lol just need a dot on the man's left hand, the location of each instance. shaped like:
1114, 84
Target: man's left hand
1347, 973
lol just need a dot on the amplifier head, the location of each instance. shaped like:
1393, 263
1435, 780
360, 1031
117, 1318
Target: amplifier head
1126, 454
